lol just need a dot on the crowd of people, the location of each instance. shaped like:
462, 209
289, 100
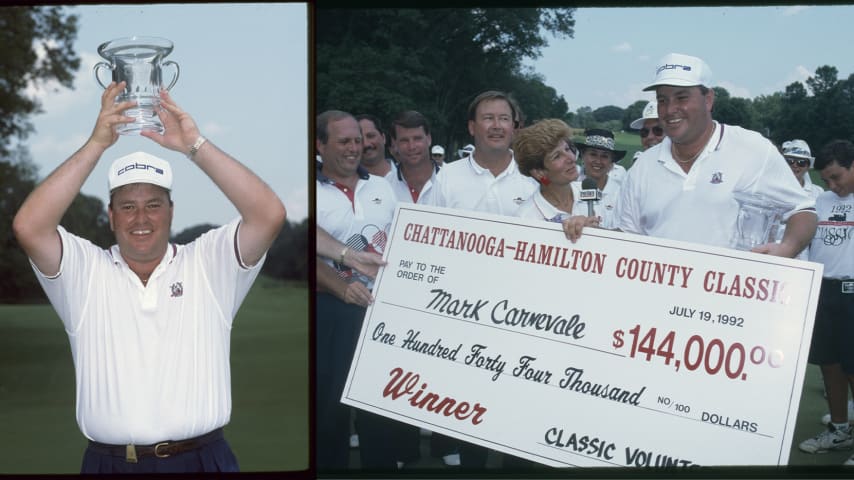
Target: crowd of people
682, 185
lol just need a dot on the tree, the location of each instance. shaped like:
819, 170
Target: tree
436, 60
824, 80
733, 110
608, 112
632, 113
37, 49
17, 179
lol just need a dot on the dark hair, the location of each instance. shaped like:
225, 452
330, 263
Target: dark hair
489, 95
376, 121
839, 151
324, 119
409, 119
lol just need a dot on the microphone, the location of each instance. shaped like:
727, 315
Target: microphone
590, 193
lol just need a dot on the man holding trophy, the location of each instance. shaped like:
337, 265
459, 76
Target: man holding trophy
149, 321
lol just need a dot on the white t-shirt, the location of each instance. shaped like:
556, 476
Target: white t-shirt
659, 199
151, 362
833, 244
813, 191
466, 185
362, 224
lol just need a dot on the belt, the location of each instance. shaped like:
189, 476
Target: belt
845, 285
132, 452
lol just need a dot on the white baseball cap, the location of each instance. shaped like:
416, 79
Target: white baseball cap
650, 112
140, 167
437, 149
798, 149
680, 70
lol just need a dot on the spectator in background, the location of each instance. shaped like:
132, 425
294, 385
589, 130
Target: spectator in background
437, 153
833, 331
599, 155
356, 209
798, 156
373, 146
488, 179
651, 131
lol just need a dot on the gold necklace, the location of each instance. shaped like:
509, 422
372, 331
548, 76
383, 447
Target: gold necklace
675, 157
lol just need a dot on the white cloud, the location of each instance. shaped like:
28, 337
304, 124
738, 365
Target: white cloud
794, 10
735, 90
56, 100
624, 47
296, 203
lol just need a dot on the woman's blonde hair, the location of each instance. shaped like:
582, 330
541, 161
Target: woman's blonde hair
532, 144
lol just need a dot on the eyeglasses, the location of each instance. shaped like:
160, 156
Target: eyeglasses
801, 162
438, 155
657, 131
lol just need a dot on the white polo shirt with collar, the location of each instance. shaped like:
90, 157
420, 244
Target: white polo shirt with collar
151, 362
466, 185
362, 223
429, 194
659, 199
536, 207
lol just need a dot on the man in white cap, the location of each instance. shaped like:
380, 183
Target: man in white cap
798, 156
800, 160
149, 321
650, 129
686, 188
437, 153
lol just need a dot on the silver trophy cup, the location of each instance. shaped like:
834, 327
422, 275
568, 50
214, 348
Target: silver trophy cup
757, 221
138, 61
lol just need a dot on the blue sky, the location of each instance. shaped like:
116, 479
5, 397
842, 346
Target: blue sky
243, 78
751, 50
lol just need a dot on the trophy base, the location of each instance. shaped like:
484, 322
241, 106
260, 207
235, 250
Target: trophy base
146, 120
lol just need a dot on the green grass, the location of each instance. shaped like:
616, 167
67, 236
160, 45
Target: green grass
269, 357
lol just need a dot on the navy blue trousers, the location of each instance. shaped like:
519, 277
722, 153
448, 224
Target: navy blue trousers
213, 457
382, 441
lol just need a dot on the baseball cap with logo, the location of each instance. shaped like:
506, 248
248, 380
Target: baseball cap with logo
679, 70
437, 150
650, 112
140, 167
798, 149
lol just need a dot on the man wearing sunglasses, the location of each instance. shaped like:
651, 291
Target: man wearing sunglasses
798, 156
651, 131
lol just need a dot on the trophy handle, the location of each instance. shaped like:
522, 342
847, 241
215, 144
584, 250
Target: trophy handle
98, 66
177, 72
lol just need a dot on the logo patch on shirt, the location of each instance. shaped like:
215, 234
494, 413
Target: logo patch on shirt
377, 201
717, 177
518, 200
177, 289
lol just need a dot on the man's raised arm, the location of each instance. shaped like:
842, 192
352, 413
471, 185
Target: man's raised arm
262, 212
36, 221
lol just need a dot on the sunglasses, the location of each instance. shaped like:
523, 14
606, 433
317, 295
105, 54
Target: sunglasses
801, 162
657, 131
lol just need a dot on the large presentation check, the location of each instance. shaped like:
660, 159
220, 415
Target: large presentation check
617, 350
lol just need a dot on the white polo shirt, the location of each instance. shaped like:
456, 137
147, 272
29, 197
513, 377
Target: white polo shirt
833, 244
362, 223
659, 199
429, 194
536, 207
151, 362
466, 185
